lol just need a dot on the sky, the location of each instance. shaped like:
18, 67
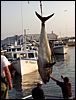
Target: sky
19, 15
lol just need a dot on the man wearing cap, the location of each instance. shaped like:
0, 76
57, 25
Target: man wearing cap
65, 86
37, 92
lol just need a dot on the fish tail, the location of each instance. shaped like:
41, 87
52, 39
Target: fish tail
43, 19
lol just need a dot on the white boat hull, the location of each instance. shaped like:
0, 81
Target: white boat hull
25, 66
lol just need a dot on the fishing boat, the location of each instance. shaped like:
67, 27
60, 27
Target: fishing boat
25, 62
71, 43
59, 48
23, 57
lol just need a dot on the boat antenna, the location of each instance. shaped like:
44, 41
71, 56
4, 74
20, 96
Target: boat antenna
21, 17
41, 7
23, 31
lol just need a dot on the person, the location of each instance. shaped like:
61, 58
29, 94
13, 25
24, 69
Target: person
6, 79
65, 86
12, 71
37, 92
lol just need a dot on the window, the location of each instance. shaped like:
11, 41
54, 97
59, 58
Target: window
23, 55
13, 49
31, 55
15, 56
8, 50
18, 49
36, 55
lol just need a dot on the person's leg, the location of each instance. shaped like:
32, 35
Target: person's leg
4, 92
6, 95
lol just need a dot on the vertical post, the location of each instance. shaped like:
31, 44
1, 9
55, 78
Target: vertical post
65, 23
8, 41
24, 44
16, 37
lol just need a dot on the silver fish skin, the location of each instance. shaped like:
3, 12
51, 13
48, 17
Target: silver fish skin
45, 62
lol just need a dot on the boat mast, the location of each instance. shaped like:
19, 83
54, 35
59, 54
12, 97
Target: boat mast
24, 44
23, 30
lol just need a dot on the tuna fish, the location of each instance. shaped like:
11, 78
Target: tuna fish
45, 61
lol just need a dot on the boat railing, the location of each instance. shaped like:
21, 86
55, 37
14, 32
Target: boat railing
46, 97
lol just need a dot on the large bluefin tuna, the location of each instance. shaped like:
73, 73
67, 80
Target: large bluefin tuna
45, 61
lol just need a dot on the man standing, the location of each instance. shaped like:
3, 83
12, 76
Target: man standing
65, 86
37, 92
6, 79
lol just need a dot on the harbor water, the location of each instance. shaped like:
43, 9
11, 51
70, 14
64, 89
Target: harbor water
65, 65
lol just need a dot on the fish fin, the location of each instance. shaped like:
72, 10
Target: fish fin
49, 65
52, 63
43, 19
40, 17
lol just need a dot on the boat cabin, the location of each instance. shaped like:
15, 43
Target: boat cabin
29, 54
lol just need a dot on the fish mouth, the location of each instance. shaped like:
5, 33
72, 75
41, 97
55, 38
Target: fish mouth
46, 79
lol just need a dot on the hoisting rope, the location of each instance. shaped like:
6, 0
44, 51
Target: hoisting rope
41, 7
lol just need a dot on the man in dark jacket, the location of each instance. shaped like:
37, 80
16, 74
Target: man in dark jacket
65, 86
37, 92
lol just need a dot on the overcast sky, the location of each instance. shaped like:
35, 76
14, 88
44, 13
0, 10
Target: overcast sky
14, 20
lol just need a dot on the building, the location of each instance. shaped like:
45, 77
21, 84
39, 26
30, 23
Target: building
29, 37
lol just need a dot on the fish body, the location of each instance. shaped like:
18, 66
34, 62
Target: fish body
45, 61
